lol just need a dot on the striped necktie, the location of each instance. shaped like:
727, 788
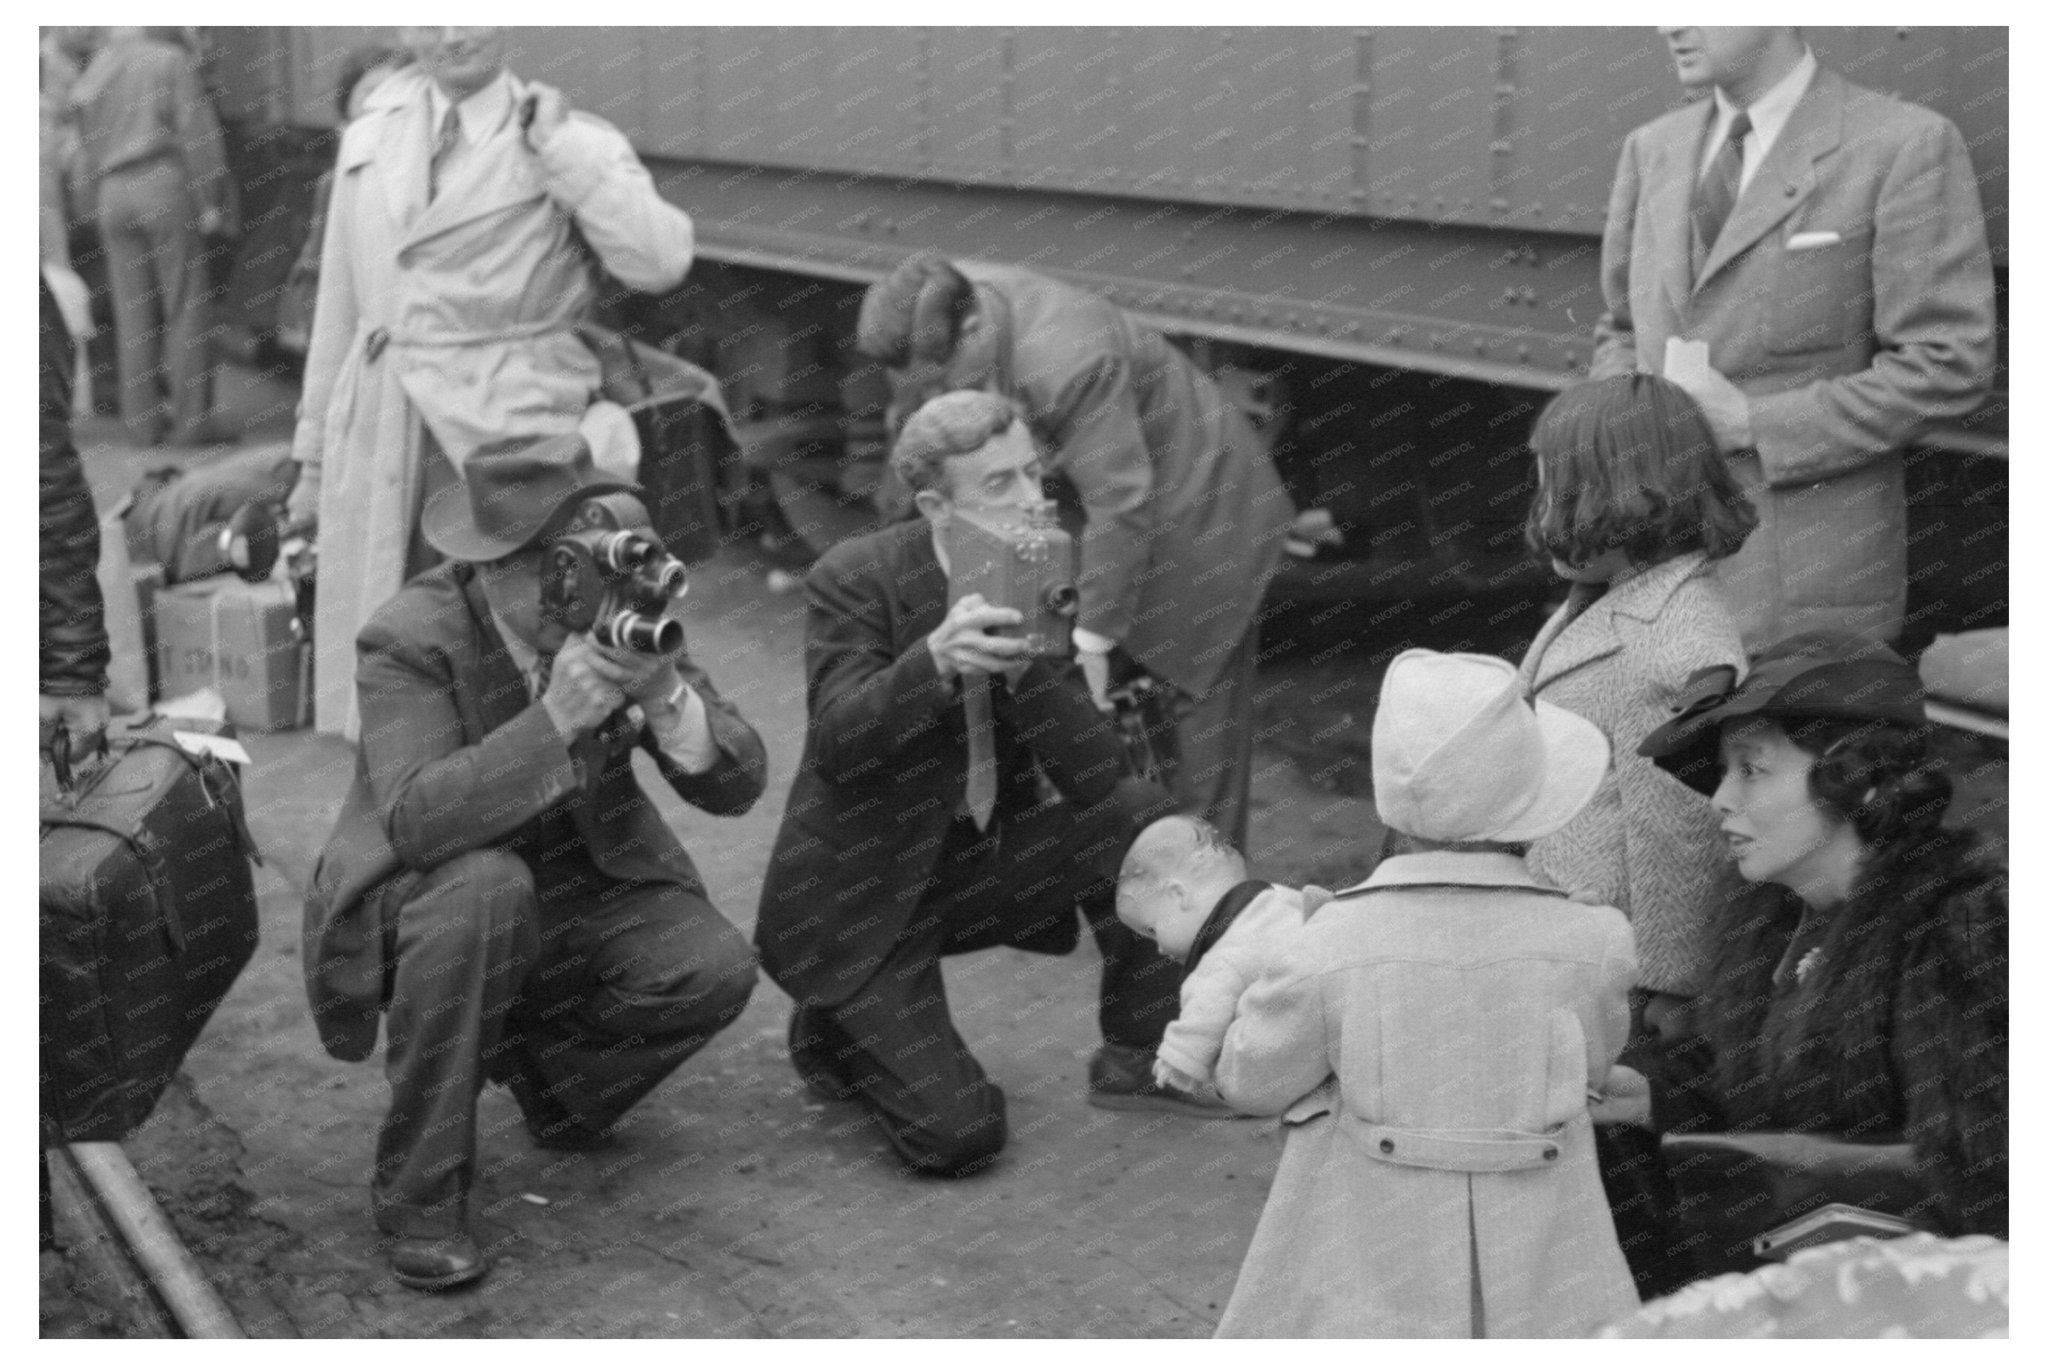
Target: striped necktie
1714, 197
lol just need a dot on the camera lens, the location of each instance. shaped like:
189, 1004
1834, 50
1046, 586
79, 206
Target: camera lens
669, 578
621, 551
1062, 599
645, 634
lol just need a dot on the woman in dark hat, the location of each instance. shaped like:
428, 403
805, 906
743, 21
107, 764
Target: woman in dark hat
1859, 989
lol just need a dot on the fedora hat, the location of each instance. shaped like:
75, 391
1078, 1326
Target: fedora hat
510, 493
1814, 676
1459, 755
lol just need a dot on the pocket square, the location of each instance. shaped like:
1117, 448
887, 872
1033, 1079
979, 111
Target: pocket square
1806, 241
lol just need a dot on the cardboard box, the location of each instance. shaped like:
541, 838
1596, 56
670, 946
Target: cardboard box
241, 639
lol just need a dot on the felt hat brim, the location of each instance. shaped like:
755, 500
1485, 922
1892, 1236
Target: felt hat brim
447, 524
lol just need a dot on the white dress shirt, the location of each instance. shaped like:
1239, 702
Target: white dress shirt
481, 115
1767, 116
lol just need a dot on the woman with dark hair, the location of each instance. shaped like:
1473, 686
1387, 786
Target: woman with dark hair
1858, 987
1634, 505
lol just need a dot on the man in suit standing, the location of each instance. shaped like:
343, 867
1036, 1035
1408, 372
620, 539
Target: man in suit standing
1826, 244
497, 883
1184, 513
920, 823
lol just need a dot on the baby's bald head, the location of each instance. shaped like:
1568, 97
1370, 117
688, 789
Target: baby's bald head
1183, 845
1177, 869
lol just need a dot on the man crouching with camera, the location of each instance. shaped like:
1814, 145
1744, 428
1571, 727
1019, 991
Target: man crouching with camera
498, 884
958, 791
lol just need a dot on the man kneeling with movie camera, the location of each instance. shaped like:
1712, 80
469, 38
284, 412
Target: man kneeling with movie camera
498, 884
958, 791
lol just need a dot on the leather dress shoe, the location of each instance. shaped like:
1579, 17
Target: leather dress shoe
437, 1262
1120, 1077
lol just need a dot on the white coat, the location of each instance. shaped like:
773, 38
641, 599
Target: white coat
455, 314
1443, 1182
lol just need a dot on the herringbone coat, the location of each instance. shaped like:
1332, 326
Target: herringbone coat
1646, 844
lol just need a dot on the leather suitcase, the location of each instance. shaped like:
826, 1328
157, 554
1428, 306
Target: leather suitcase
148, 916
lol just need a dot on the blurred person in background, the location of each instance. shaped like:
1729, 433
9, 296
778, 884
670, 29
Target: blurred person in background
151, 151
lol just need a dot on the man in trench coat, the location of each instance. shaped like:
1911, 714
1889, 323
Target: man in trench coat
456, 263
1846, 306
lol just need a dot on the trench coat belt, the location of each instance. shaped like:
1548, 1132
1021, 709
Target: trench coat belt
1465, 1149
375, 339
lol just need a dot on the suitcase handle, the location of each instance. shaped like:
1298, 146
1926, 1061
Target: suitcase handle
59, 754
201, 766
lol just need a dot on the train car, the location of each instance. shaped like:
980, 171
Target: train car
1385, 240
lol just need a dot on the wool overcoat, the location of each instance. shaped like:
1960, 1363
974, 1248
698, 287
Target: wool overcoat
1849, 296
1646, 844
1431, 1040
455, 314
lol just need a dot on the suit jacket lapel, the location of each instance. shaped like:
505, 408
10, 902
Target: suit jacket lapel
396, 159
1670, 210
1554, 652
1787, 176
497, 689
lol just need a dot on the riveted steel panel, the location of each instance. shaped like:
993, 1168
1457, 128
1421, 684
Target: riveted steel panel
599, 69
968, 103
1577, 93
1069, 90
1430, 123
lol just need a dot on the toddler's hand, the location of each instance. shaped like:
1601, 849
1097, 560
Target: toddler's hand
1625, 1099
1165, 1073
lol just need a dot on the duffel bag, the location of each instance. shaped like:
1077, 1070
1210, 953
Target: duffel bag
174, 517
148, 916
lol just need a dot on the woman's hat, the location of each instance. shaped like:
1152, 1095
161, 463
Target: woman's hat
1460, 756
1815, 676
510, 493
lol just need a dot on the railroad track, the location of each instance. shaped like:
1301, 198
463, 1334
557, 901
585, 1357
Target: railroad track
150, 1282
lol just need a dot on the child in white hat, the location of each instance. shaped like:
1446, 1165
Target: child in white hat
1431, 1038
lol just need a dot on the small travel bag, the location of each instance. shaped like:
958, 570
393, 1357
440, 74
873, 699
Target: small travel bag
148, 916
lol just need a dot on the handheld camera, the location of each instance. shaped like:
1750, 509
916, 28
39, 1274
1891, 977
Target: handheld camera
1023, 561
614, 581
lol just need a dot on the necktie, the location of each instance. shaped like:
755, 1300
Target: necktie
1714, 197
444, 147
981, 748
537, 680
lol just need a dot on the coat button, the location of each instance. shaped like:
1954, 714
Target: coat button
1386, 1144
1550, 1153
